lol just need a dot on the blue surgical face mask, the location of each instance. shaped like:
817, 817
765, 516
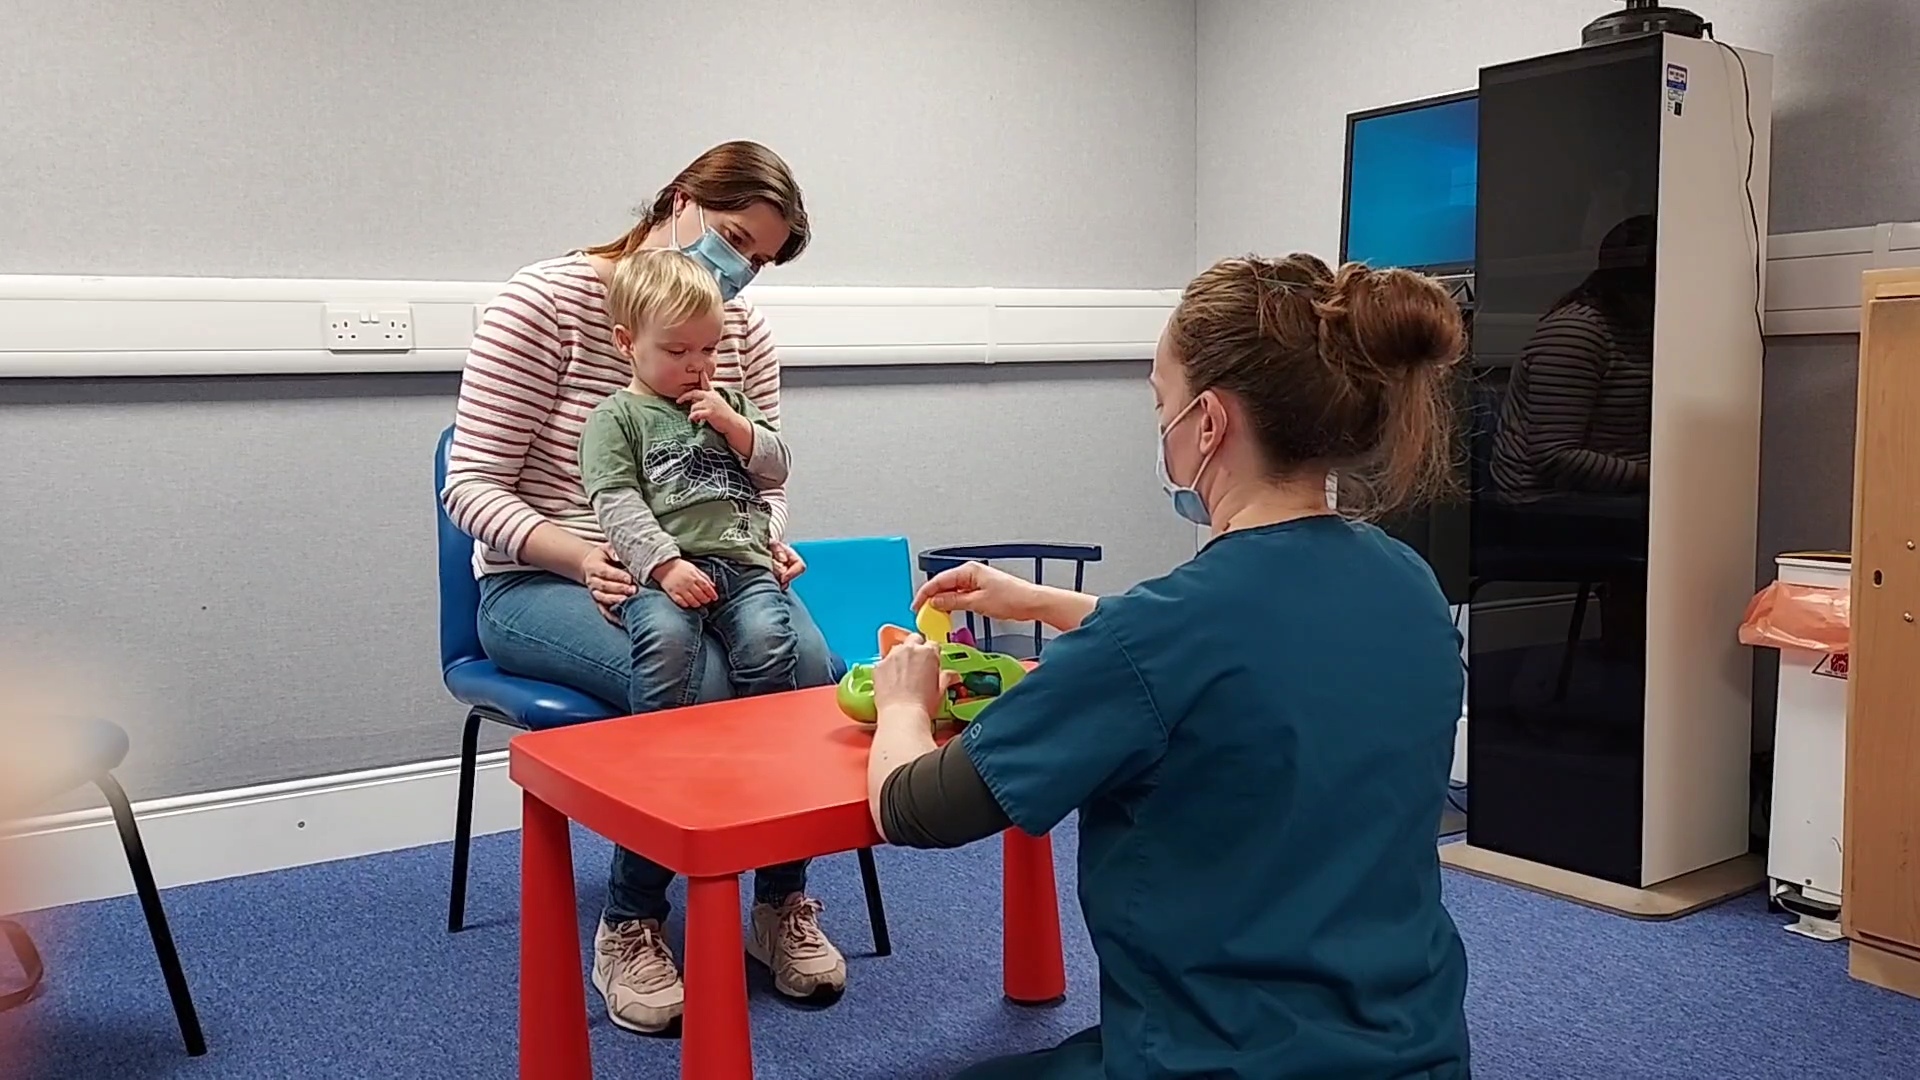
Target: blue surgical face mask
711, 250
1186, 499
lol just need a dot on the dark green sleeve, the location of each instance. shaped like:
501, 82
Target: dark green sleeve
939, 801
609, 454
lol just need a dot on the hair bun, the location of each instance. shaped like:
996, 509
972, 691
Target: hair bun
1394, 320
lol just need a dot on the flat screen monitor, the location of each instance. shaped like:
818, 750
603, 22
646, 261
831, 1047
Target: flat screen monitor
1412, 175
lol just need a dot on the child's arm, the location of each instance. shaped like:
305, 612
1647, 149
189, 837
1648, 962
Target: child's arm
747, 431
769, 460
636, 535
610, 473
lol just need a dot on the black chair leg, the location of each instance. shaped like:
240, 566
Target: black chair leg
149, 893
876, 911
32, 968
463, 824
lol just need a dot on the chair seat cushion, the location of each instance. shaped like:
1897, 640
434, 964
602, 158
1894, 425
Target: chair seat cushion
43, 759
525, 703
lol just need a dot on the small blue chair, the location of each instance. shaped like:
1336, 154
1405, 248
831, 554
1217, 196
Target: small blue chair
935, 560
65, 756
530, 705
855, 586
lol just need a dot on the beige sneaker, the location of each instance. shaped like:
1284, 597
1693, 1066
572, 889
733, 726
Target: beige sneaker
787, 938
634, 971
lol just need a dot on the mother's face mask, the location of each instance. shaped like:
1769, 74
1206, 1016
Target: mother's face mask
1186, 497
731, 269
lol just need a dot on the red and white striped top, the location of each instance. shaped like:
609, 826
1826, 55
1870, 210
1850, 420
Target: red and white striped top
541, 359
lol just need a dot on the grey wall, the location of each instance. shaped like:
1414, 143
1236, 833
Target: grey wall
241, 570
1276, 82
990, 142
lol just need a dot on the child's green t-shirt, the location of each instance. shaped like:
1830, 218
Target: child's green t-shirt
694, 483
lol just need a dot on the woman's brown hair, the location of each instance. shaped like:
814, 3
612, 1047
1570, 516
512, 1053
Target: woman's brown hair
731, 176
1347, 370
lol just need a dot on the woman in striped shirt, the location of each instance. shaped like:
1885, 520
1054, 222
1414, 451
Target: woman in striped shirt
542, 358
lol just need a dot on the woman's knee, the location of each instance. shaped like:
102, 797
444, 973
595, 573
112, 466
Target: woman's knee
813, 661
539, 626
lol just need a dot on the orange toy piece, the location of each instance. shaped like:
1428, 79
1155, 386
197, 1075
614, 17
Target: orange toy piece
891, 635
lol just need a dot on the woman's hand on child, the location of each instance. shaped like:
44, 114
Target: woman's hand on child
909, 677
685, 583
787, 563
607, 580
709, 406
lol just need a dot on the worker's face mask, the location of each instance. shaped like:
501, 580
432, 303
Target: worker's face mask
1186, 497
711, 250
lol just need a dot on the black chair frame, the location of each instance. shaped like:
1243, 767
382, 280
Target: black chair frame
157, 928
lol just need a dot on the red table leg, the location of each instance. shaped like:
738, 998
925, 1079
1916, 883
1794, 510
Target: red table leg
1032, 965
715, 1041
553, 1001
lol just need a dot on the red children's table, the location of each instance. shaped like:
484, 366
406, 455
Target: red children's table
714, 791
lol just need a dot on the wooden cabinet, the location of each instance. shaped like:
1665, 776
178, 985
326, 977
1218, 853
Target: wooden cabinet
1881, 909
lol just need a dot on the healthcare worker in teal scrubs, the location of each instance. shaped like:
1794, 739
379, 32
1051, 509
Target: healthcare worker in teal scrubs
1257, 743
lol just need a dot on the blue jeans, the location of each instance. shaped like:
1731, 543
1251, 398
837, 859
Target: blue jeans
751, 617
541, 626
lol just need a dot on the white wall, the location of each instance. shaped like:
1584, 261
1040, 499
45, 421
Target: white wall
243, 568
1276, 82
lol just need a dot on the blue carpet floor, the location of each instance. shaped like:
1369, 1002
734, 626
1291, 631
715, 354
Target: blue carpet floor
345, 970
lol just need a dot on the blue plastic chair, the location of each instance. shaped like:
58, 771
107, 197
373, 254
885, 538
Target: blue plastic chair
72, 754
530, 705
855, 586
934, 560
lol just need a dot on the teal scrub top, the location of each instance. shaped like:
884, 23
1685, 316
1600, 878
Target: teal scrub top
1258, 744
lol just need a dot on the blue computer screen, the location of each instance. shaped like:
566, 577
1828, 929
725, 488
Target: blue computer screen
1410, 188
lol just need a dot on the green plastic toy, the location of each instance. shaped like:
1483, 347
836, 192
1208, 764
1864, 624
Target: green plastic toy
984, 676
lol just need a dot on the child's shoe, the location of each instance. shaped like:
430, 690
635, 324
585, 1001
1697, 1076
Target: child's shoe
787, 938
634, 971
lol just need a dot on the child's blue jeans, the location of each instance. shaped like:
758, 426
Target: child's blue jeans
751, 617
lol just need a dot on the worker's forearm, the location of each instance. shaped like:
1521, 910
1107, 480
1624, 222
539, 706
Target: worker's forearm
901, 735
1063, 609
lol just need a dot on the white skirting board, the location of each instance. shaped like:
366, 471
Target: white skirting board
92, 327
77, 857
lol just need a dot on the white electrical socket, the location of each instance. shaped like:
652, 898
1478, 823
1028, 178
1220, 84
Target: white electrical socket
354, 328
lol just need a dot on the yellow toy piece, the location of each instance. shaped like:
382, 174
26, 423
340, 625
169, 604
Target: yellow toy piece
934, 625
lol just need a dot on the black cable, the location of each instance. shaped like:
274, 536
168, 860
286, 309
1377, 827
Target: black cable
1753, 212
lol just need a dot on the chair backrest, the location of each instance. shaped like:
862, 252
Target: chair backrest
459, 592
934, 560
854, 586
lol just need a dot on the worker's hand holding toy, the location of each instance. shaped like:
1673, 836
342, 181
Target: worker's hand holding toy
909, 677
949, 681
982, 589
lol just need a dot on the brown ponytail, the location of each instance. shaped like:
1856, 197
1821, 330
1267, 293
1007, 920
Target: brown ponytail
731, 176
1348, 371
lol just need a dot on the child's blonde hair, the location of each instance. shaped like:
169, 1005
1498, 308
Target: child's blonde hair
657, 287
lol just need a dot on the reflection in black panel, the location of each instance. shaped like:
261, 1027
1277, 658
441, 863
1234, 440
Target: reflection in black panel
1561, 389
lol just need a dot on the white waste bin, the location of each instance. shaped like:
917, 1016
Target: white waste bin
1809, 761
